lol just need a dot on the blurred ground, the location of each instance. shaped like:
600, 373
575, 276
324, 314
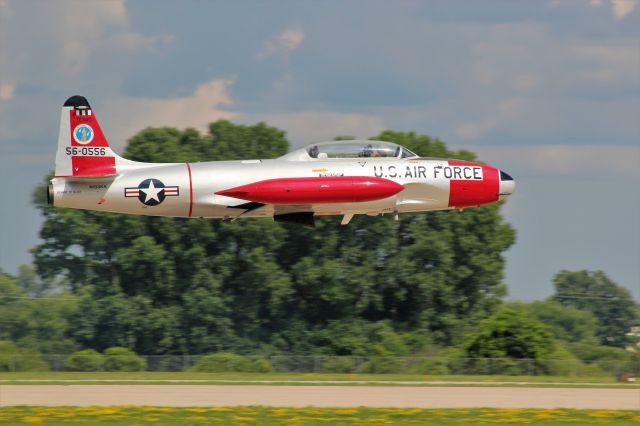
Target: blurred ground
319, 396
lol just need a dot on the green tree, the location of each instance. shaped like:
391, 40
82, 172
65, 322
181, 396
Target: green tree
227, 361
509, 333
565, 322
84, 360
15, 358
33, 322
122, 359
610, 303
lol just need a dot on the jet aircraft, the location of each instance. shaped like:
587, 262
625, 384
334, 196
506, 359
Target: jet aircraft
344, 178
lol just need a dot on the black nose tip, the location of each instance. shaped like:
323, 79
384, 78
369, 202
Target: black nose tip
505, 176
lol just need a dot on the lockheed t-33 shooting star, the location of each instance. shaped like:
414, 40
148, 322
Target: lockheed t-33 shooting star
330, 178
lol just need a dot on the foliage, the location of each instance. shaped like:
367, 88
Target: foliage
339, 364
429, 366
610, 359
261, 366
565, 322
383, 365
122, 359
227, 361
14, 358
509, 333
84, 360
611, 304
33, 322
562, 362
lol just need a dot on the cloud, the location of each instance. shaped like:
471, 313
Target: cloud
622, 8
124, 116
314, 126
282, 44
6, 91
67, 37
563, 159
619, 8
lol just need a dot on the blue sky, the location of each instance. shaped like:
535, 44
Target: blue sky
547, 90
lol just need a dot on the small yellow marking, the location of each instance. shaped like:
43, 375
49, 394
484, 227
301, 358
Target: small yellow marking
323, 170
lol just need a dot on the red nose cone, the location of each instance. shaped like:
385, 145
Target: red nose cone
472, 184
315, 190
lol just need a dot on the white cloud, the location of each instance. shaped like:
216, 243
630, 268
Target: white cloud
314, 126
564, 159
622, 8
80, 29
124, 116
282, 44
7, 91
619, 8
68, 36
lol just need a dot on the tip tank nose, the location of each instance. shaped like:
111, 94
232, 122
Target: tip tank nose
507, 185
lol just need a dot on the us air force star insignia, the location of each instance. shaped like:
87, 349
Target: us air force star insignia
152, 192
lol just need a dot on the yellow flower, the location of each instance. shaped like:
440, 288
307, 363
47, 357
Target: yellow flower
106, 411
346, 411
512, 420
198, 410
603, 413
196, 418
378, 421
32, 419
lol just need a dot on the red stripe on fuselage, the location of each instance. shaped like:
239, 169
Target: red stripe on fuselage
467, 193
190, 190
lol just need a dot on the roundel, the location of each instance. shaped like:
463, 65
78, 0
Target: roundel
152, 192
83, 134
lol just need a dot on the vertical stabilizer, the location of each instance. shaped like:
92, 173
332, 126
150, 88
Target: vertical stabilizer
83, 149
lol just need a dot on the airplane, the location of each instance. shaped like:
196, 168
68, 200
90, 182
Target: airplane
344, 178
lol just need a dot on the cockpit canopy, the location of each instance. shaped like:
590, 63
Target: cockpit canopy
349, 149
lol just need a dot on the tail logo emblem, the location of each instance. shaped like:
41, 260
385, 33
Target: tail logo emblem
152, 192
83, 134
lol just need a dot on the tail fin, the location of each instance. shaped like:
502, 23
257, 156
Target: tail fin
83, 150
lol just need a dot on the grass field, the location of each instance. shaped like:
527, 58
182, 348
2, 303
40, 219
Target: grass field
293, 378
309, 416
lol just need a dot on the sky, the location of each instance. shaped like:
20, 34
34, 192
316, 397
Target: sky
548, 91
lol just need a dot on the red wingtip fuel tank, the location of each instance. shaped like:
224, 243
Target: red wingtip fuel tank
315, 190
